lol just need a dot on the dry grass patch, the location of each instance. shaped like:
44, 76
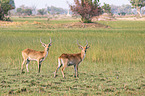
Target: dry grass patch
84, 25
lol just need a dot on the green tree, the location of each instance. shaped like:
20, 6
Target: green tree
118, 9
55, 10
24, 10
138, 4
42, 11
5, 6
86, 9
28, 11
19, 11
106, 8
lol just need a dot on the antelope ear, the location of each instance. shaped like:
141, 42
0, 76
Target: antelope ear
49, 44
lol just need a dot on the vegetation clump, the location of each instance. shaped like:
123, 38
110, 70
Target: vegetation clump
5, 6
86, 9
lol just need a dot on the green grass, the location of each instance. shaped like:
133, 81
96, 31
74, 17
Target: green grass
114, 63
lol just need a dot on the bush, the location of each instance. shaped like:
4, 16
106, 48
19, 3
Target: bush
5, 6
86, 9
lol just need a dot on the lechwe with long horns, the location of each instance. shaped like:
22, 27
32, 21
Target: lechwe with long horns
32, 55
71, 59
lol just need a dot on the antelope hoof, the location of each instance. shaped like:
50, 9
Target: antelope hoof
76, 76
55, 75
22, 72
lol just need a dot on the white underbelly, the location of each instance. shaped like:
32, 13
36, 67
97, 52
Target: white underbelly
70, 63
32, 59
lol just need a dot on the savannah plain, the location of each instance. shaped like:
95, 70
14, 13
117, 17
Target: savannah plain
114, 63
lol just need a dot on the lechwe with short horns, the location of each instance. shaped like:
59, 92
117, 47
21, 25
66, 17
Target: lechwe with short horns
72, 59
32, 55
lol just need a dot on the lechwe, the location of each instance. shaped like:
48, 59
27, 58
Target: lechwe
39, 56
71, 59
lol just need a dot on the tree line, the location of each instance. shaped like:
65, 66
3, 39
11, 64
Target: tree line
118, 10
85, 8
24, 10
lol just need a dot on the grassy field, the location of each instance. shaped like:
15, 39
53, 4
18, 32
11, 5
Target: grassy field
114, 63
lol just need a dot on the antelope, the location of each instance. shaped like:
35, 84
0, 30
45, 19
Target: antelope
32, 55
71, 59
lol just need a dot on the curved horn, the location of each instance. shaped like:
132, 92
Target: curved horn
79, 44
87, 43
50, 41
41, 41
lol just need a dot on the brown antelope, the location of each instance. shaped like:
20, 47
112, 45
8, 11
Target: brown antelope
39, 56
71, 59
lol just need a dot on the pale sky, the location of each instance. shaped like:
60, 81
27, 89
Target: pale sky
61, 3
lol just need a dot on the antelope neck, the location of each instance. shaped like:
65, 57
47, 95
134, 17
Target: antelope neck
83, 54
45, 52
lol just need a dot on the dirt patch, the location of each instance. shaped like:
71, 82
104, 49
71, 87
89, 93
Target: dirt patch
7, 23
84, 25
53, 26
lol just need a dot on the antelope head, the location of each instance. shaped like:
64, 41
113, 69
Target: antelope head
46, 46
84, 49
